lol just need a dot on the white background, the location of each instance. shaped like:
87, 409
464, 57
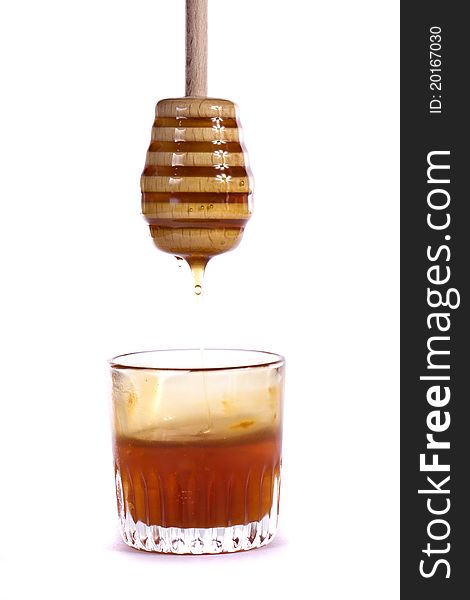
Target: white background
315, 278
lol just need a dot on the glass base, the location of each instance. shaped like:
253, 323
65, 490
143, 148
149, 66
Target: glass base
216, 540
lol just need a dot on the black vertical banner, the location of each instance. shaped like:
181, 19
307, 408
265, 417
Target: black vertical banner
435, 300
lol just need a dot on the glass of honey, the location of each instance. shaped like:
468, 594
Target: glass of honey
197, 448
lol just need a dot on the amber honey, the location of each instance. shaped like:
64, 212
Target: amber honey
200, 484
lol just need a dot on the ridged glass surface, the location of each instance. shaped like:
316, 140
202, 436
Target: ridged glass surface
192, 540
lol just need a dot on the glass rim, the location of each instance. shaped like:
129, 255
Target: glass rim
119, 361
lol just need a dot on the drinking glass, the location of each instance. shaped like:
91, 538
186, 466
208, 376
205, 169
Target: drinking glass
197, 448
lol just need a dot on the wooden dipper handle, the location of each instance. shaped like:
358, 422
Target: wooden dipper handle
196, 48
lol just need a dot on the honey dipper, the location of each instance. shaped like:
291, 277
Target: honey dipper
196, 184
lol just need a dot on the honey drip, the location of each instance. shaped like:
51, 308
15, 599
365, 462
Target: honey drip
197, 264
